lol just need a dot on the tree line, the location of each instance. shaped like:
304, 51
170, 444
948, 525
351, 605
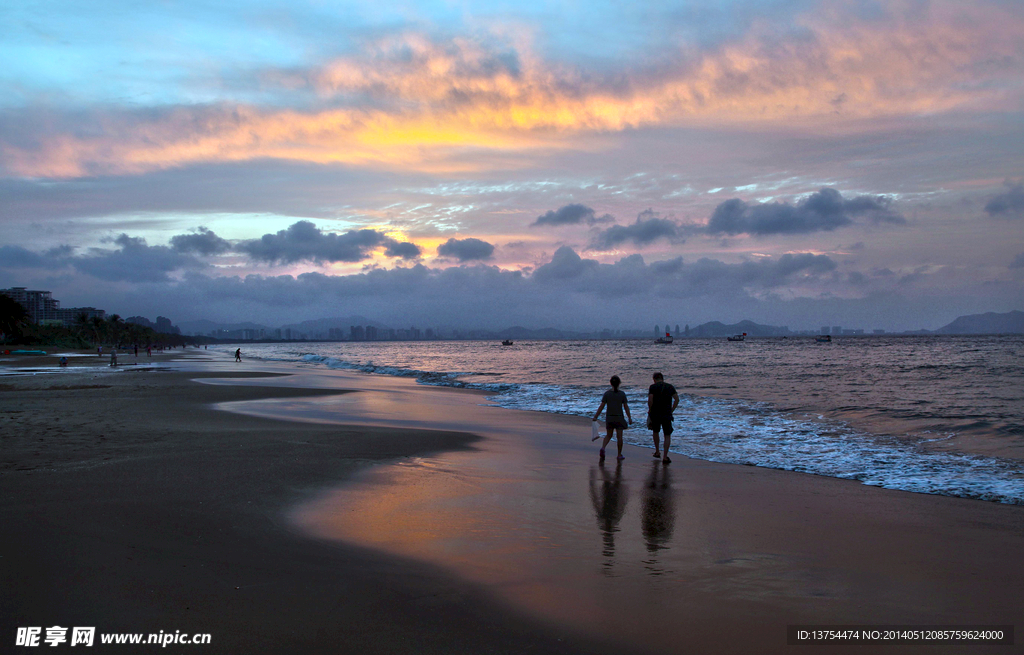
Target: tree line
16, 327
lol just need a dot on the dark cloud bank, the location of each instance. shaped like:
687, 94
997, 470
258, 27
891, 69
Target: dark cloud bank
466, 250
465, 293
822, 211
1009, 204
573, 214
303, 241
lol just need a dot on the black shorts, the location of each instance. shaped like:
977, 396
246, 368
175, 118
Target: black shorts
617, 422
660, 424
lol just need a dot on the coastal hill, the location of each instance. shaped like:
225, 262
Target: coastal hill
988, 323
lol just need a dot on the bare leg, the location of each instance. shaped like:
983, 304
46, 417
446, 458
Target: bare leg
618, 436
666, 459
657, 444
607, 438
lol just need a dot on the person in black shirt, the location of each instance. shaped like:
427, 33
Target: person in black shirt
662, 400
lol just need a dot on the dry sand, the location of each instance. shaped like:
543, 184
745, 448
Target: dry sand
130, 503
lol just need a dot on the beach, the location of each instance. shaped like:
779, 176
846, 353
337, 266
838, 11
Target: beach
282, 511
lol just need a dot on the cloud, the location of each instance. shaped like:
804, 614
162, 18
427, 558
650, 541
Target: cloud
303, 241
404, 250
410, 102
203, 242
18, 257
573, 214
647, 229
1010, 203
822, 211
565, 264
134, 262
466, 249
631, 276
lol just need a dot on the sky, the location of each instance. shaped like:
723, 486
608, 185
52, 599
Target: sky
545, 164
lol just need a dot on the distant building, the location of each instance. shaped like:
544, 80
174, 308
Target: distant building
371, 333
357, 332
876, 331
824, 329
837, 330
43, 309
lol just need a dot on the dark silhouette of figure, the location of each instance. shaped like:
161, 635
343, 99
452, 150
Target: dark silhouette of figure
617, 403
658, 513
608, 495
238, 355
662, 400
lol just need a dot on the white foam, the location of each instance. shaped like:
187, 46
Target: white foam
739, 432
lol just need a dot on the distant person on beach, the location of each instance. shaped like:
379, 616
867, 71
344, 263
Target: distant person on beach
615, 421
662, 400
113, 356
238, 355
99, 351
63, 361
136, 350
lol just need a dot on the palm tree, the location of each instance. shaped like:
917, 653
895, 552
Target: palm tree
12, 316
97, 326
116, 324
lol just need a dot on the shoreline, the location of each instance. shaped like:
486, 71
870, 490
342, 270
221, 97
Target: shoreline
746, 547
144, 509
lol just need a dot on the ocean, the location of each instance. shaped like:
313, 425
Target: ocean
928, 414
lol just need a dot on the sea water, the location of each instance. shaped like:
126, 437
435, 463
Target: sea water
932, 414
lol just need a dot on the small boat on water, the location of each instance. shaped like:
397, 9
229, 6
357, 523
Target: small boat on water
665, 339
506, 342
823, 338
737, 337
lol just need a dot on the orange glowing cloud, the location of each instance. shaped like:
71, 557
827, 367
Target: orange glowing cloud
409, 103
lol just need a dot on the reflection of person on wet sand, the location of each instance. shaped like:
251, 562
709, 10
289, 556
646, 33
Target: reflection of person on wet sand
657, 515
608, 496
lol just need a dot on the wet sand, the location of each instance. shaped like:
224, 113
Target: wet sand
131, 503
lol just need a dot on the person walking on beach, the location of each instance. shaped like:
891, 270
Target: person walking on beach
615, 421
662, 400
238, 355
113, 356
